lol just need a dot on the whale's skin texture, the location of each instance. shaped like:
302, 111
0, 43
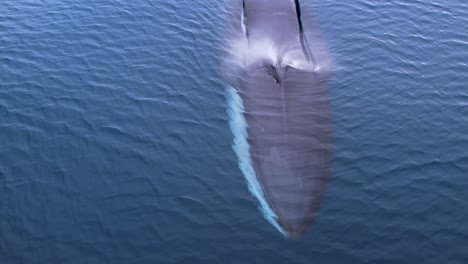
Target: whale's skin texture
287, 109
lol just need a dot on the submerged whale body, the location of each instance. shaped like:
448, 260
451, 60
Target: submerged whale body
283, 87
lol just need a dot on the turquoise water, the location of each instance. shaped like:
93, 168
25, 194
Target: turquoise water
116, 143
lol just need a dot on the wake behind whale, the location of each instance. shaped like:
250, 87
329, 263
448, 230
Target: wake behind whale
280, 114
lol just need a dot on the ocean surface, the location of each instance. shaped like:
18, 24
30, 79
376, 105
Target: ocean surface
116, 144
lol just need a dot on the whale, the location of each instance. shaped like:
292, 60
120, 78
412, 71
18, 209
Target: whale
283, 89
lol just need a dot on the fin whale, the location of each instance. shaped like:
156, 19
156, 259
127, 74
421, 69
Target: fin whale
286, 108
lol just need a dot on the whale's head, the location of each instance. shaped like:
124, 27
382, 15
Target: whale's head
294, 193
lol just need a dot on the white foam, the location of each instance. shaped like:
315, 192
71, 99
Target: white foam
296, 59
255, 52
238, 126
262, 51
244, 29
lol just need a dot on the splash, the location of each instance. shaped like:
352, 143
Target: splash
238, 126
247, 54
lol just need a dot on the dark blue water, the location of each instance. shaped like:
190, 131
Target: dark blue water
116, 148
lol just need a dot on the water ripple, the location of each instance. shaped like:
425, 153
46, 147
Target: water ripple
116, 146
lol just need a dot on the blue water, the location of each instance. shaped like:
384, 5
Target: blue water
116, 145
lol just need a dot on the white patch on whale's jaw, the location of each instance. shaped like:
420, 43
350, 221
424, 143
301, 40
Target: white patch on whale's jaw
241, 147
